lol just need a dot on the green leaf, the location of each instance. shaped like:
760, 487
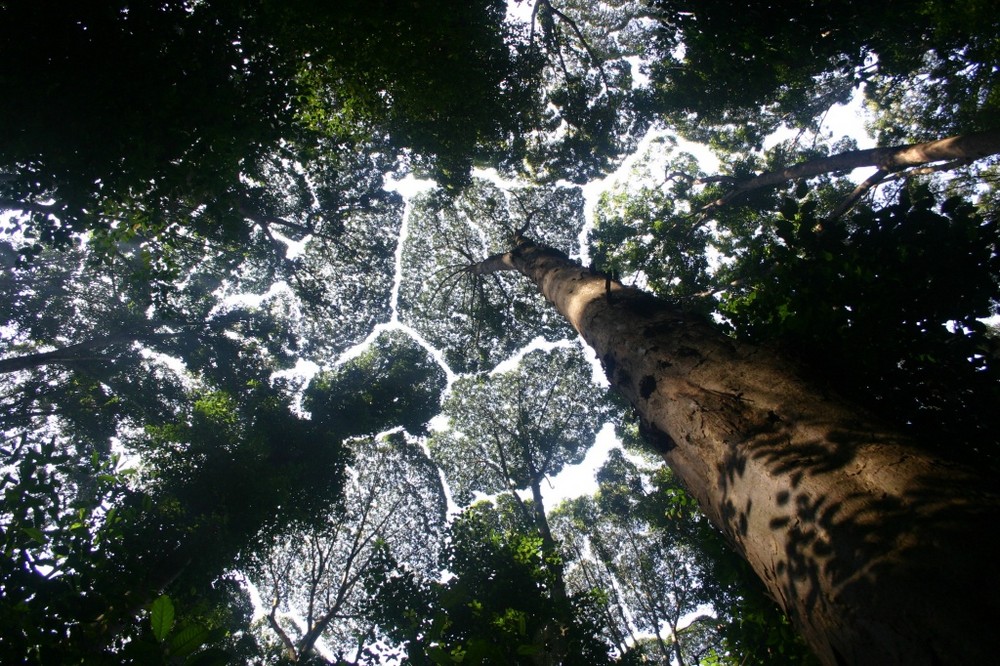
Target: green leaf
188, 639
36, 534
210, 657
161, 616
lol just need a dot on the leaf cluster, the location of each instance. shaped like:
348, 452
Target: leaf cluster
885, 305
497, 606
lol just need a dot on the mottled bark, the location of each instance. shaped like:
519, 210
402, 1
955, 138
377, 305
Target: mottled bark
879, 552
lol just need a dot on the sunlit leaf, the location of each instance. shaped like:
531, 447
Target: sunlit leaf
161, 617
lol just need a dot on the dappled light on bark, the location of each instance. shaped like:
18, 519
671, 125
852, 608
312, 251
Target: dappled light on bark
845, 520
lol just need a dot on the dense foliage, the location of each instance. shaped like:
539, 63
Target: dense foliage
227, 341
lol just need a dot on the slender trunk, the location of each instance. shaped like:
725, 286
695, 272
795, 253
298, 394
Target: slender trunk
966, 147
80, 351
879, 552
556, 639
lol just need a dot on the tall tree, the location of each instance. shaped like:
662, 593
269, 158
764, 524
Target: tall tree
496, 606
848, 523
508, 432
313, 581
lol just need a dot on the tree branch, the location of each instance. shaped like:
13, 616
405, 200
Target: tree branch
492, 264
858, 192
594, 60
73, 353
960, 149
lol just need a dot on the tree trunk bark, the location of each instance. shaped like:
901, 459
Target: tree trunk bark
879, 552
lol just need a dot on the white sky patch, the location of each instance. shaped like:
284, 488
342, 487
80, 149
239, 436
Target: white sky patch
304, 371
493, 176
409, 186
599, 378
294, 248
578, 480
539, 342
519, 11
639, 80
849, 120
246, 300
7, 333
172, 363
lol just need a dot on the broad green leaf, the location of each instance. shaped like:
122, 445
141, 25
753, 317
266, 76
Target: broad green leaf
187, 640
161, 616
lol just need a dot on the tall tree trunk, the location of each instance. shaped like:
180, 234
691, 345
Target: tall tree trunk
556, 645
879, 552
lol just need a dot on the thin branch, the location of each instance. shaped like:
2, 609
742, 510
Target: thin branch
73, 353
726, 180
859, 191
881, 176
492, 264
272, 622
934, 168
594, 59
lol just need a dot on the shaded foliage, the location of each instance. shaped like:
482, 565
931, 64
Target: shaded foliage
393, 383
730, 74
233, 85
498, 605
886, 303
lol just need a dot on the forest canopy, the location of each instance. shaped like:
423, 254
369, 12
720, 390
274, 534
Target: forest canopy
261, 403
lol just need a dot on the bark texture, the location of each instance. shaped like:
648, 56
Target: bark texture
879, 552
